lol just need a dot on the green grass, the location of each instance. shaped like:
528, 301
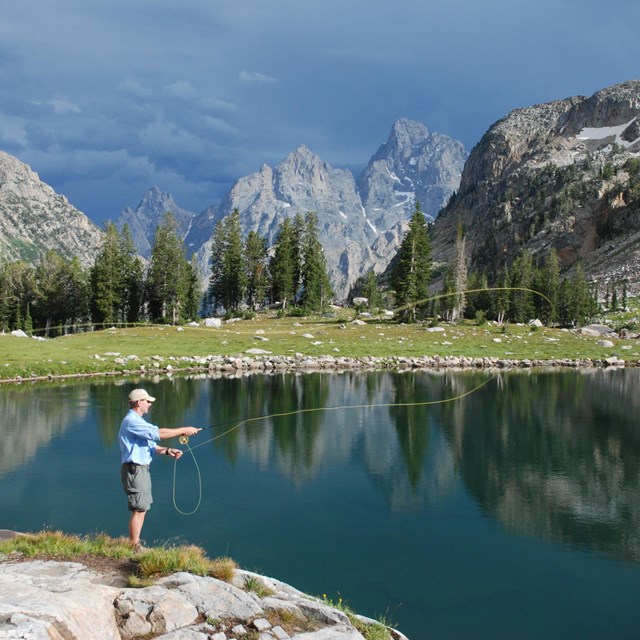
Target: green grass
375, 630
154, 562
157, 347
60, 546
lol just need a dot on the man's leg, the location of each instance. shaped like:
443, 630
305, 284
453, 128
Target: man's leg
135, 526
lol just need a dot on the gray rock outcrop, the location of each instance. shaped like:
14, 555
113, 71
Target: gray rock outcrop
47, 600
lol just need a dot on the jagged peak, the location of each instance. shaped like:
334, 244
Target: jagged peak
154, 196
409, 129
302, 161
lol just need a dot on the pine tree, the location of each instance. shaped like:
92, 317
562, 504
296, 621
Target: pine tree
282, 265
228, 280
169, 279
411, 272
75, 292
234, 267
256, 251
459, 276
61, 292
521, 281
315, 281
106, 277
371, 291
445, 303
216, 288
502, 303
550, 287
132, 278
580, 304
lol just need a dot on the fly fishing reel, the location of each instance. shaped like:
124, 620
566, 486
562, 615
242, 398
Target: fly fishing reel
183, 439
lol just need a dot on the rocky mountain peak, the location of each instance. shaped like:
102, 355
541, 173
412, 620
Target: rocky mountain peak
360, 224
556, 176
412, 164
144, 220
35, 219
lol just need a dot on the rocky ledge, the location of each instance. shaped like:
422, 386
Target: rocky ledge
54, 600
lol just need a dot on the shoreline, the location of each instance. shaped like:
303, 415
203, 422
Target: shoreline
228, 366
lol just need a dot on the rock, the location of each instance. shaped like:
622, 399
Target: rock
54, 600
153, 610
213, 322
605, 343
42, 600
595, 330
19, 333
261, 624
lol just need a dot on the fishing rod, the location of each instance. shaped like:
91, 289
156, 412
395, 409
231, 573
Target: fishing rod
185, 439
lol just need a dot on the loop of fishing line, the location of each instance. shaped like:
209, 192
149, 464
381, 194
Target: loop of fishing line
185, 439
175, 467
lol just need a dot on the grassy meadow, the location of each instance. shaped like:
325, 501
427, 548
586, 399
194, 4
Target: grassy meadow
157, 346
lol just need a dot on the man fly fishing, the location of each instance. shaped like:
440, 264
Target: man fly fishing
137, 439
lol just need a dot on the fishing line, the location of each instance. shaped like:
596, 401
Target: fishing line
175, 467
461, 293
185, 439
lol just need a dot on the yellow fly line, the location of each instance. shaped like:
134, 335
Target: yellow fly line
185, 439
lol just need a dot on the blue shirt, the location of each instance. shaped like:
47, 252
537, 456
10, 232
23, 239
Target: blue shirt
137, 439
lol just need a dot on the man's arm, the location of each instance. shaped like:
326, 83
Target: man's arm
178, 431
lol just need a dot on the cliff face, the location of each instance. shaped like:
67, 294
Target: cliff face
35, 219
561, 175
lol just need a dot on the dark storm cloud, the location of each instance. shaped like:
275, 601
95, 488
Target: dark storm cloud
106, 98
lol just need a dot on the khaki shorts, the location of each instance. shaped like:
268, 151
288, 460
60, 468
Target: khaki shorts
136, 481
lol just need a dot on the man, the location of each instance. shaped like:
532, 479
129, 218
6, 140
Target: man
137, 439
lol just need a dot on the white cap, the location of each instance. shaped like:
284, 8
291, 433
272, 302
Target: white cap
140, 394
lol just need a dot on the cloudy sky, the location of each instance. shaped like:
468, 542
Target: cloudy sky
105, 98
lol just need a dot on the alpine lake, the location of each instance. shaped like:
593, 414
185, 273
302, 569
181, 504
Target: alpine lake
457, 504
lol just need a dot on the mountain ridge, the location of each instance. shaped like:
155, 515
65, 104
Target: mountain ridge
554, 176
35, 219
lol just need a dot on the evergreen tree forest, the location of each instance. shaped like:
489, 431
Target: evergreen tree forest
246, 274
55, 295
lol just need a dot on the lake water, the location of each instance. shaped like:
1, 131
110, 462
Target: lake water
510, 512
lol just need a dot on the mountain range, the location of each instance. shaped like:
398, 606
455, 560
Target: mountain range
361, 220
562, 175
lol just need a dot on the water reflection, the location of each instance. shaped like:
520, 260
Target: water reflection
32, 419
555, 455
